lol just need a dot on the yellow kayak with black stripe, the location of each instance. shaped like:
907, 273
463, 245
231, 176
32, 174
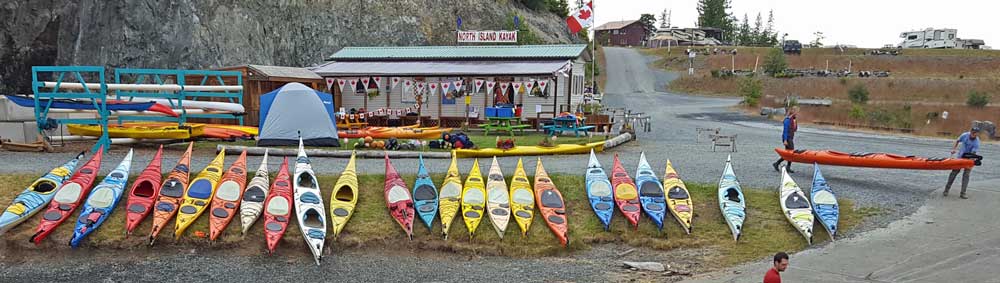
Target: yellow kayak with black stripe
450, 196
199, 194
678, 199
522, 199
532, 150
473, 199
139, 131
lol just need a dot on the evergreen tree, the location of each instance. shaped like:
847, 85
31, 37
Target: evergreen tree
770, 36
743, 32
648, 23
715, 13
758, 31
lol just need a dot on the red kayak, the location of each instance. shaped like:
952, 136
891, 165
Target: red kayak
68, 197
626, 195
143, 190
873, 160
278, 208
227, 197
167, 198
397, 198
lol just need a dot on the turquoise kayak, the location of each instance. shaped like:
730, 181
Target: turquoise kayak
599, 191
731, 200
824, 202
102, 201
650, 192
37, 195
425, 196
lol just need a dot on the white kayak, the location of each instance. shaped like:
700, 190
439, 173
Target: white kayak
795, 206
308, 205
253, 199
497, 199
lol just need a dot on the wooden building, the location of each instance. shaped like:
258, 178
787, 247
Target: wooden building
621, 33
398, 78
261, 79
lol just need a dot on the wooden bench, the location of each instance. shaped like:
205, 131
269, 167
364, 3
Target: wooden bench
599, 121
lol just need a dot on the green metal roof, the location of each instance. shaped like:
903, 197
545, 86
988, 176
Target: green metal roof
502, 52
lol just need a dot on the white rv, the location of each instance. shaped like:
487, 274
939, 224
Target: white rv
937, 38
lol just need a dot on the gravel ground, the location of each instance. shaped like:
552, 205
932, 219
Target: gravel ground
630, 83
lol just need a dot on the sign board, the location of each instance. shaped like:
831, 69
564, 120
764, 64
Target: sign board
487, 36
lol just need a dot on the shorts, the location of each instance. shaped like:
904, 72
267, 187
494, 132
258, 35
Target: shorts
791, 145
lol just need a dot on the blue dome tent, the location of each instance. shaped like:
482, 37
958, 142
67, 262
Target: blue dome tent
295, 108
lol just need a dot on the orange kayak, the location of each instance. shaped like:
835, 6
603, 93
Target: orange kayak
170, 196
551, 204
399, 133
873, 160
227, 197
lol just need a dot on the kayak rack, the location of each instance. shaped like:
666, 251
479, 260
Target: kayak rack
176, 86
89, 83
71, 75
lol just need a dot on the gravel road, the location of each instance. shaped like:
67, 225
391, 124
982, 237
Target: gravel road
631, 84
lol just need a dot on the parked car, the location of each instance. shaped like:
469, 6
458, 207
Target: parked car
792, 47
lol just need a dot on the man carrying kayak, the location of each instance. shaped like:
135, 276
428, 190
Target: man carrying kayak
780, 264
969, 142
788, 137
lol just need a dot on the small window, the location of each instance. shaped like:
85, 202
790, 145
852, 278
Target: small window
911, 37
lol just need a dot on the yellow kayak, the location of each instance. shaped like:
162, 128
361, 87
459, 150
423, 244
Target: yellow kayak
532, 150
450, 196
139, 131
344, 197
249, 130
199, 193
473, 199
522, 199
678, 198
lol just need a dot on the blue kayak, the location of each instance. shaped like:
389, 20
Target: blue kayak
731, 201
650, 192
599, 191
113, 105
425, 196
824, 203
36, 196
102, 201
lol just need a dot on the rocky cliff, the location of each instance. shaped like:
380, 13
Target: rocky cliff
212, 33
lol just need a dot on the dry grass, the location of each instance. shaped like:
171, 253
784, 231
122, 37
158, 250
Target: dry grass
766, 230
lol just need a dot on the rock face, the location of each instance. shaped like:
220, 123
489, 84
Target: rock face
195, 34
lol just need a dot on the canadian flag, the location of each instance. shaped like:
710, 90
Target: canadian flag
542, 84
583, 18
395, 82
528, 86
458, 85
489, 87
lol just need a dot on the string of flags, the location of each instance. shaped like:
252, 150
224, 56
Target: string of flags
444, 86
381, 112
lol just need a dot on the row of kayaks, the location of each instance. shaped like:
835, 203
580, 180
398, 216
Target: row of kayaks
404, 132
648, 195
476, 199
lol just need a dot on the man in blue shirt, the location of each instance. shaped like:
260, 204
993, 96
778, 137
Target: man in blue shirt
789, 126
969, 143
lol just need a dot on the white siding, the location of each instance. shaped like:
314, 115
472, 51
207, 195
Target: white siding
351, 100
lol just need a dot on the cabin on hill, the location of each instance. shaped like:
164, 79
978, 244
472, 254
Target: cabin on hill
449, 85
621, 33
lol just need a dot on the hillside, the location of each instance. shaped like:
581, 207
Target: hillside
215, 33
922, 86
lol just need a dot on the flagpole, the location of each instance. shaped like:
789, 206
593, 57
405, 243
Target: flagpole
593, 53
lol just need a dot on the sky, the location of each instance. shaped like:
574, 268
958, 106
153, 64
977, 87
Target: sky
864, 23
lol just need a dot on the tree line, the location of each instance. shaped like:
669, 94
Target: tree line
716, 14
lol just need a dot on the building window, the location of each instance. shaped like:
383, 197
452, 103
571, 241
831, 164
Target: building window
911, 37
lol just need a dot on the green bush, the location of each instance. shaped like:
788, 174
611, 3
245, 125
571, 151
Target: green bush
751, 89
775, 62
977, 99
857, 112
858, 94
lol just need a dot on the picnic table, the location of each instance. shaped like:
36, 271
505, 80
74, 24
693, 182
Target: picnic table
508, 124
566, 124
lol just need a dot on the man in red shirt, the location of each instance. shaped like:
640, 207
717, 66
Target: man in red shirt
780, 264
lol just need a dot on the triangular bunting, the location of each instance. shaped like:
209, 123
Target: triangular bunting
503, 88
458, 85
489, 86
479, 85
342, 83
354, 84
364, 82
395, 82
378, 82
445, 86
528, 86
517, 87
329, 84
